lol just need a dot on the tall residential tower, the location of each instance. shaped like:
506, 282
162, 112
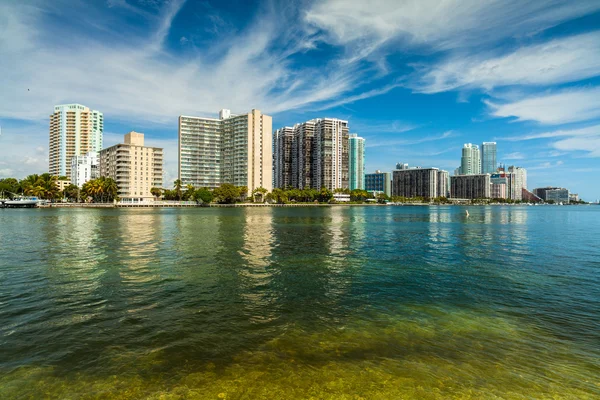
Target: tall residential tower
74, 130
319, 154
234, 149
470, 162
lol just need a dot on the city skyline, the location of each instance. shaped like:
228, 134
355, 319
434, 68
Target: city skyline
422, 116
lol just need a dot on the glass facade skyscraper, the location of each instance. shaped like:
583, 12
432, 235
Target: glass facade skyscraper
488, 158
356, 163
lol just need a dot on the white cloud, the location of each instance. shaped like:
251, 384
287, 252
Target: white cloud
137, 80
569, 105
585, 139
591, 145
558, 61
440, 24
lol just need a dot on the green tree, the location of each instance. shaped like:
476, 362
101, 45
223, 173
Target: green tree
227, 193
258, 194
71, 192
325, 195
243, 190
156, 192
203, 195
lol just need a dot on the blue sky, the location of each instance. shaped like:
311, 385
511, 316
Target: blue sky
417, 79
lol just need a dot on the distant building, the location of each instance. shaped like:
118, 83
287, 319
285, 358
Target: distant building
415, 182
235, 149
84, 168
443, 184
135, 167
379, 182
356, 162
319, 154
401, 165
518, 181
282, 157
573, 197
470, 162
488, 157
498, 191
341, 197
470, 186
555, 194
74, 130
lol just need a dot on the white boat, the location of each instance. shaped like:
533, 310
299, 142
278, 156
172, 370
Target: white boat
21, 201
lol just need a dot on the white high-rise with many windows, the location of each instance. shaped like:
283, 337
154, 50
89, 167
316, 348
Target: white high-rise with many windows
234, 149
74, 130
470, 162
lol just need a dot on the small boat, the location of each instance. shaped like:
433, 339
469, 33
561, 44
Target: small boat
466, 213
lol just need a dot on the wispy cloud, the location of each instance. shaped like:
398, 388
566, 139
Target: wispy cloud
552, 108
557, 61
451, 24
406, 141
138, 79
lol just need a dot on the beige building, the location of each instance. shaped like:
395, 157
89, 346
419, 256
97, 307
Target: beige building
62, 184
234, 149
74, 130
135, 167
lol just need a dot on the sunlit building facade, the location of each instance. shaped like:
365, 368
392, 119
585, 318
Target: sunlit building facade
74, 130
356, 162
135, 168
235, 149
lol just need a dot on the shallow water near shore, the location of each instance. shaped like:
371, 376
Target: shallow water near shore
292, 303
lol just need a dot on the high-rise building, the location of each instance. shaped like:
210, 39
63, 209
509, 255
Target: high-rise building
319, 154
302, 155
330, 154
379, 182
470, 186
517, 182
415, 182
401, 165
135, 167
74, 130
282, 157
356, 163
234, 149
470, 162
488, 158
84, 168
443, 184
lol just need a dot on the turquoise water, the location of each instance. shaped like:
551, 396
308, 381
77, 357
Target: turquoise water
315, 302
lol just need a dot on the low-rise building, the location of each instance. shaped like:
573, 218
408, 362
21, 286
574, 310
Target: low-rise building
135, 167
553, 194
470, 186
62, 184
379, 182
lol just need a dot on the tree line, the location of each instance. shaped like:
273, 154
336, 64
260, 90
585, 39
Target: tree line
45, 187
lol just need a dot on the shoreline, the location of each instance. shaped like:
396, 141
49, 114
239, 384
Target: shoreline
172, 205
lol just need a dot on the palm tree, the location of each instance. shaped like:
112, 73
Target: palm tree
177, 184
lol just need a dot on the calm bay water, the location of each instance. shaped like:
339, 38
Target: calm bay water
332, 302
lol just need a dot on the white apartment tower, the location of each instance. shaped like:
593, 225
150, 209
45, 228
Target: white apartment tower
135, 167
234, 149
330, 154
470, 162
84, 168
74, 130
